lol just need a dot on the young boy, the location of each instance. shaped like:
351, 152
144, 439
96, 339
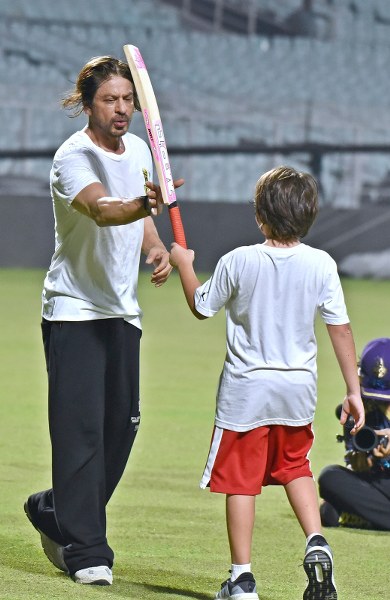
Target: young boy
267, 390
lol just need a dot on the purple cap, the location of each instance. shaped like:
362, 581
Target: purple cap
374, 370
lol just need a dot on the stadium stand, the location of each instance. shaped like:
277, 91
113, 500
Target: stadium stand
235, 99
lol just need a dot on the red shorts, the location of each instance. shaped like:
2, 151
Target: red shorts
243, 462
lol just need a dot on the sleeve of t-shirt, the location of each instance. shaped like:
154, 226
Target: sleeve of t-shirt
72, 172
332, 304
215, 292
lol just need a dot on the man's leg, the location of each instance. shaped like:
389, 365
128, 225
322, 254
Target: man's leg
40, 510
366, 495
122, 414
77, 364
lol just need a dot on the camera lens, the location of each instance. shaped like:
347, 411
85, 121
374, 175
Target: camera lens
365, 440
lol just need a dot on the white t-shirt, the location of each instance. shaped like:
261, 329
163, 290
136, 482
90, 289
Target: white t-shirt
94, 270
271, 298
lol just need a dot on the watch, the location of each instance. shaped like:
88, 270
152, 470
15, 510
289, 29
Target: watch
146, 204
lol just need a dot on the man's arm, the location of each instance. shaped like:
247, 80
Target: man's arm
344, 347
93, 202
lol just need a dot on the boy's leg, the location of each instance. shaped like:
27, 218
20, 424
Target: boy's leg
240, 518
302, 495
318, 561
234, 467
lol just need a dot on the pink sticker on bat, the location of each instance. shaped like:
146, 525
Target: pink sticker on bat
152, 141
164, 161
160, 153
139, 61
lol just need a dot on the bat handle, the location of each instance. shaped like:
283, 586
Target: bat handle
177, 226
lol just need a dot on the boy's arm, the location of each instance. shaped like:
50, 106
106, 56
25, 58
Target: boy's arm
344, 347
183, 260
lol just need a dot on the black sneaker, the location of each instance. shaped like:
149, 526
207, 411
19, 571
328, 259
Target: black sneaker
329, 515
318, 565
243, 588
54, 552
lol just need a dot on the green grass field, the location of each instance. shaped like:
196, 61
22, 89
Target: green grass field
169, 536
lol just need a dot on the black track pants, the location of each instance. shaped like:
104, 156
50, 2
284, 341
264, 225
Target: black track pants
93, 371
364, 494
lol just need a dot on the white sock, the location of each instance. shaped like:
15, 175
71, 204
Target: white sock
238, 569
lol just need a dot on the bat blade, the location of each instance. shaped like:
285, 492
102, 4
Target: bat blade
155, 131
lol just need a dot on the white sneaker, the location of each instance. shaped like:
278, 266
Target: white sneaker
94, 576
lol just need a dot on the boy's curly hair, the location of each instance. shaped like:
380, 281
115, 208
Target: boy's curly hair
286, 201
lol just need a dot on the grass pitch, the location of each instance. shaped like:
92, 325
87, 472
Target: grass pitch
169, 536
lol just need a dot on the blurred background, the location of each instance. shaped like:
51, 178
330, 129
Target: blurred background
242, 86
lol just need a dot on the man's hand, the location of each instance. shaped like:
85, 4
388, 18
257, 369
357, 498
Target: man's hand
155, 196
159, 257
382, 451
358, 461
156, 202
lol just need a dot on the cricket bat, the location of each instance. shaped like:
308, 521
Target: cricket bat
154, 128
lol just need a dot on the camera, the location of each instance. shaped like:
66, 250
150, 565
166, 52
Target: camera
365, 440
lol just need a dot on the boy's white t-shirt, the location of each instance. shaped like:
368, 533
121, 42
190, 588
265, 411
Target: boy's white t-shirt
94, 270
271, 298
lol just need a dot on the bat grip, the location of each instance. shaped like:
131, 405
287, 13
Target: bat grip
177, 226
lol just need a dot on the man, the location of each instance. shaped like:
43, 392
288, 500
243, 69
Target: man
358, 495
91, 318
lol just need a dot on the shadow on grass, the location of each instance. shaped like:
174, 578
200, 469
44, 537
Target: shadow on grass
27, 558
162, 589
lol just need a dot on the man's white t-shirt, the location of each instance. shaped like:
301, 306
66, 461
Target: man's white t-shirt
271, 298
94, 270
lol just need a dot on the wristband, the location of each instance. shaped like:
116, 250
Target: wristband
146, 204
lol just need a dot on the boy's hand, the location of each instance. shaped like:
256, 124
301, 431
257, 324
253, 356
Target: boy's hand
353, 405
180, 255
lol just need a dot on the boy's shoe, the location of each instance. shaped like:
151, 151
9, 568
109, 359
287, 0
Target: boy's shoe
94, 576
243, 588
54, 552
318, 565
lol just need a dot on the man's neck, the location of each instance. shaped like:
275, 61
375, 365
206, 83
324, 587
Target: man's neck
112, 144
